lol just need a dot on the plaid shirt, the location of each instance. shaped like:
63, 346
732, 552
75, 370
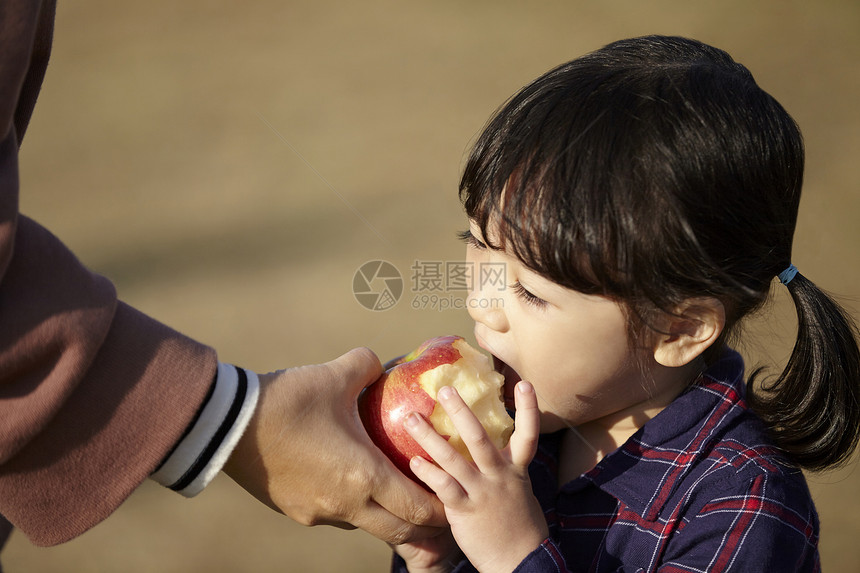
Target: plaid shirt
698, 488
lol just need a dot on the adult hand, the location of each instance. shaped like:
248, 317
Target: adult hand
306, 454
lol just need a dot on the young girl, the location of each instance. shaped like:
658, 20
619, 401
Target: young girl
642, 198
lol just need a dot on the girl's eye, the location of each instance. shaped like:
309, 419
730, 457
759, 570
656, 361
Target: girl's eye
528, 297
470, 240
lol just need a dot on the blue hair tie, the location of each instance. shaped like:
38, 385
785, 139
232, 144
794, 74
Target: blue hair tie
787, 275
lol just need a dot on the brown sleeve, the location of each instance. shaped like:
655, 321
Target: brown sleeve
93, 394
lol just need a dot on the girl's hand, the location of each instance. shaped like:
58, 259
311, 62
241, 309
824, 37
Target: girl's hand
432, 555
494, 517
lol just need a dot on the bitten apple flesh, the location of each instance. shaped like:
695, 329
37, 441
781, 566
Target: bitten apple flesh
411, 384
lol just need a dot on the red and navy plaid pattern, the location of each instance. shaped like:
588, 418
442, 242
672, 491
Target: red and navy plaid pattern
698, 488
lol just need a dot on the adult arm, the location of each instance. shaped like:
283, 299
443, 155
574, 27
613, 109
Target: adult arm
82, 392
94, 394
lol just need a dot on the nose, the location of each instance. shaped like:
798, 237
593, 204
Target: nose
487, 308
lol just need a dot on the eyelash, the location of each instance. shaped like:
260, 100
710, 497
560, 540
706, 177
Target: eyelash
468, 238
528, 297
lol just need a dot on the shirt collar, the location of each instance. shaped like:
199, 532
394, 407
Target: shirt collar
645, 471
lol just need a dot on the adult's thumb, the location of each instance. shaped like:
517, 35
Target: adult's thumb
360, 367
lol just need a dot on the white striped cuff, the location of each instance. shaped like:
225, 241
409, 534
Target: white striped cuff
210, 438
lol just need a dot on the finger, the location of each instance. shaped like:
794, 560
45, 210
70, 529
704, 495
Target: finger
384, 525
395, 492
523, 442
473, 434
404, 498
438, 447
448, 489
356, 369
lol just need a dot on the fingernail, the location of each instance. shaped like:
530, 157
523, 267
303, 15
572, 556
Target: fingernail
412, 420
524, 387
445, 392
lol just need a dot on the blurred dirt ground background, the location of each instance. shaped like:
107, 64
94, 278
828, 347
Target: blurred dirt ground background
230, 165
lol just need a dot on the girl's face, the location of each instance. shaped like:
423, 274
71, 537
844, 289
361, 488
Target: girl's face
572, 347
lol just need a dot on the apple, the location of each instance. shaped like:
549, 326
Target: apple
410, 384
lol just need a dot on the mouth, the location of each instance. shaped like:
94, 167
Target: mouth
511, 379
500, 366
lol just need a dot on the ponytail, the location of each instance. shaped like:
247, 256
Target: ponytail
813, 407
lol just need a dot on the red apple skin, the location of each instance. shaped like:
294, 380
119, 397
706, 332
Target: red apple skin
386, 403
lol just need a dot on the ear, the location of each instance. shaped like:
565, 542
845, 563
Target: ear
686, 334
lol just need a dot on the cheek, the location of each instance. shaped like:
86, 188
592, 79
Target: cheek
580, 361
475, 256
600, 332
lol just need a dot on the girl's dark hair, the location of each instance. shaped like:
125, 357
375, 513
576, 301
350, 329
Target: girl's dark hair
655, 170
